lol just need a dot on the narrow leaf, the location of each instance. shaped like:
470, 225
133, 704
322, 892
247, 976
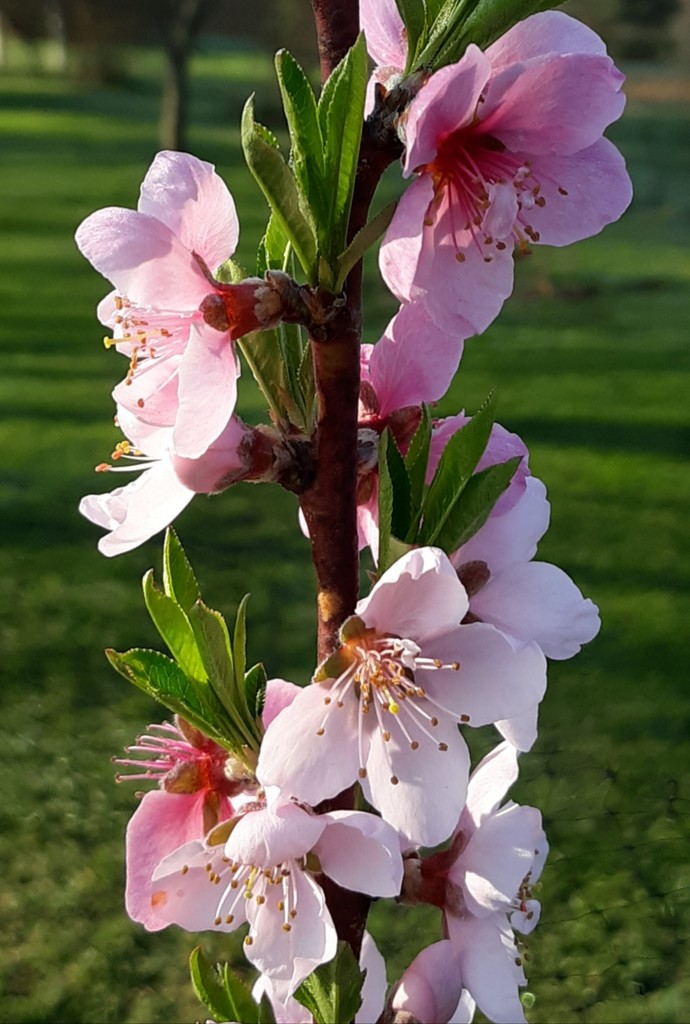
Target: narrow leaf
162, 679
239, 643
385, 501
221, 991
413, 15
174, 627
179, 581
363, 240
341, 116
416, 461
478, 498
458, 462
402, 505
255, 689
279, 186
306, 142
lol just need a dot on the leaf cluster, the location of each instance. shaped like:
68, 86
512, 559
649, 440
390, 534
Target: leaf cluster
206, 680
457, 502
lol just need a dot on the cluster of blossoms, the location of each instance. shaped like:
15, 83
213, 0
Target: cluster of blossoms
504, 149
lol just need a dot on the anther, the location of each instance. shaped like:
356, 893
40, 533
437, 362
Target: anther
362, 773
443, 747
394, 780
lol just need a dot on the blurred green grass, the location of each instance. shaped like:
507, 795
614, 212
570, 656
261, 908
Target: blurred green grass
593, 363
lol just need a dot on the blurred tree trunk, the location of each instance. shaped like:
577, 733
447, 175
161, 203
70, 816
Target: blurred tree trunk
186, 20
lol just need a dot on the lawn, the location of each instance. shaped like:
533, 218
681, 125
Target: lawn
593, 362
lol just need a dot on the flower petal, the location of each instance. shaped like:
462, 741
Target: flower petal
138, 511
419, 595
512, 537
299, 762
384, 31
185, 894
143, 259
536, 601
402, 244
359, 851
207, 390
265, 838
189, 197
549, 32
487, 953
490, 781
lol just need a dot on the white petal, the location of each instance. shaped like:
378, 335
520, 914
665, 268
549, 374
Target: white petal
359, 851
491, 780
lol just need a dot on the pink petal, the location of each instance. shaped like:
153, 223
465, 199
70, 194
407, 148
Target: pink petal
279, 695
419, 595
162, 822
400, 250
413, 362
549, 32
521, 730
361, 852
512, 537
465, 1010
184, 893
553, 104
446, 102
214, 469
288, 957
431, 987
143, 259
598, 190
152, 393
425, 803
266, 838
138, 511
297, 761
375, 982
189, 197
495, 681
536, 601
497, 858
385, 32
152, 440
490, 781
487, 953
207, 390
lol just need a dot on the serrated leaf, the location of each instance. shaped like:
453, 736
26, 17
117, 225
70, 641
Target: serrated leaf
239, 643
221, 991
174, 627
273, 248
306, 152
416, 461
478, 498
402, 495
213, 643
363, 241
414, 19
162, 679
255, 689
385, 503
279, 186
334, 991
458, 461
341, 117
179, 581
262, 353
230, 272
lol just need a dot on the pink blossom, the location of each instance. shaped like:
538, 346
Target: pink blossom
168, 314
483, 883
506, 149
265, 874
200, 784
168, 482
386, 706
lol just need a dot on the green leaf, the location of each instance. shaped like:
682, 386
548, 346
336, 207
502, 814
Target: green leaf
333, 992
414, 19
274, 248
306, 153
478, 498
363, 240
179, 581
385, 502
255, 689
162, 679
263, 354
279, 186
239, 643
416, 461
174, 627
341, 117
230, 272
402, 494
221, 991
213, 644
458, 462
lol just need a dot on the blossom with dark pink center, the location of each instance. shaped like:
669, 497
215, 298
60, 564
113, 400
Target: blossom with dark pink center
506, 149
386, 706
168, 314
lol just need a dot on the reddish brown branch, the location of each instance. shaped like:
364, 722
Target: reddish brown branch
337, 27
